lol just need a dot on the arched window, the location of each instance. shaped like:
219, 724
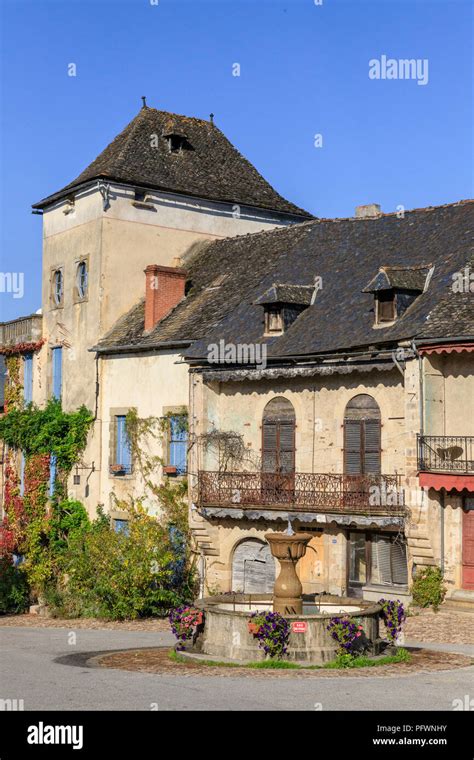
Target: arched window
81, 279
362, 429
58, 287
253, 567
278, 436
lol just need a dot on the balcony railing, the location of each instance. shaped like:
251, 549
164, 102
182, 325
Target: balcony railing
300, 491
446, 453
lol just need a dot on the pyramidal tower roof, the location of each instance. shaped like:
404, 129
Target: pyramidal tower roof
205, 165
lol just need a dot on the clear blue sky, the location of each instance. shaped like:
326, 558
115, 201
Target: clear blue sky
304, 70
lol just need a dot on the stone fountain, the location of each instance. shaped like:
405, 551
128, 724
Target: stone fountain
288, 548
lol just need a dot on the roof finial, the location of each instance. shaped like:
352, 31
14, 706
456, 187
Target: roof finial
211, 117
144, 101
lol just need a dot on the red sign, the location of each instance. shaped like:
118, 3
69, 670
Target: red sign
299, 627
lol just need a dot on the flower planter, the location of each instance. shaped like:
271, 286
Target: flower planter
169, 470
253, 628
117, 469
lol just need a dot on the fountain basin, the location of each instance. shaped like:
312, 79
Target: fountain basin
225, 632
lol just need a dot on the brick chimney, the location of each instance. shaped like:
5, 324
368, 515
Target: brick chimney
164, 289
368, 212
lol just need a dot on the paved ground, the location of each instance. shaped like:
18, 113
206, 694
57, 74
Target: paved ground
29, 670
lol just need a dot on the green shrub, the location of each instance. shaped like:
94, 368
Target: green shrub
120, 575
428, 589
14, 590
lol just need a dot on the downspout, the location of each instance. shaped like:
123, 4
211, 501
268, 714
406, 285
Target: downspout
441, 528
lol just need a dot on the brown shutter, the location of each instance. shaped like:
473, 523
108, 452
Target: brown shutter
352, 447
371, 461
269, 447
287, 446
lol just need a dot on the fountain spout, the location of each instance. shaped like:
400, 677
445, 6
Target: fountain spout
288, 548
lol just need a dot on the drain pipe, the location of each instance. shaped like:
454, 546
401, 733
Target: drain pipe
202, 574
441, 527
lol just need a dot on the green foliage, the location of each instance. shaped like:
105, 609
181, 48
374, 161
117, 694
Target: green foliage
14, 590
68, 519
47, 431
348, 661
428, 589
121, 575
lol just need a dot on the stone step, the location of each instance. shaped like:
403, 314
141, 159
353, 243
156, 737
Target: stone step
460, 600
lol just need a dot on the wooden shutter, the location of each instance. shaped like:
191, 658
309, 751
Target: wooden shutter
352, 447
371, 459
123, 449
269, 448
52, 474
399, 563
28, 378
383, 550
178, 444
57, 372
286, 447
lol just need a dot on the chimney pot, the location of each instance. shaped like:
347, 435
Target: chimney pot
367, 212
164, 289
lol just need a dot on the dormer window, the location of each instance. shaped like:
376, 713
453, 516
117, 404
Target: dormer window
283, 304
385, 306
395, 288
273, 321
177, 142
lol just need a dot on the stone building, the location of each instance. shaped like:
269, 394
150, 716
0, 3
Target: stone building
355, 423
323, 359
322, 368
163, 188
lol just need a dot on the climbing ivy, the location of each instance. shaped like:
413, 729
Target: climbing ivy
13, 388
47, 431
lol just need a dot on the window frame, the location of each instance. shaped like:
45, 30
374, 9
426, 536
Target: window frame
57, 303
178, 442
114, 470
79, 296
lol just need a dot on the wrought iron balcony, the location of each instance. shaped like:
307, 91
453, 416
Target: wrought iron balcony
300, 491
446, 453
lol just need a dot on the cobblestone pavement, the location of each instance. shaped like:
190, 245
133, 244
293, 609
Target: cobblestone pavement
444, 627
157, 661
440, 627
90, 624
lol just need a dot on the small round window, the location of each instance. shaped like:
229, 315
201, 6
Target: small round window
58, 287
81, 279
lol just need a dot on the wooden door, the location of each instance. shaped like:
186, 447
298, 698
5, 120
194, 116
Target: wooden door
468, 549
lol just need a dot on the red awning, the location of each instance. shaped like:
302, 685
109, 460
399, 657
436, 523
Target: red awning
449, 482
447, 348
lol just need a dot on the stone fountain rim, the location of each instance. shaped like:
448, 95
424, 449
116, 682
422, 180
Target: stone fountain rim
211, 603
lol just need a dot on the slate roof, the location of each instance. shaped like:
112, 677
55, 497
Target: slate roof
402, 278
213, 169
346, 254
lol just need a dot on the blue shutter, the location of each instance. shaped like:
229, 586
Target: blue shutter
57, 372
123, 450
28, 378
22, 474
178, 445
52, 473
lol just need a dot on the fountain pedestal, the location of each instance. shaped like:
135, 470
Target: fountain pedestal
288, 549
